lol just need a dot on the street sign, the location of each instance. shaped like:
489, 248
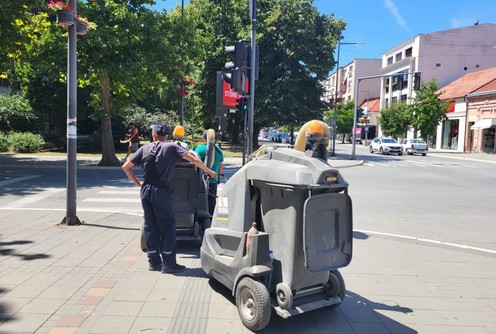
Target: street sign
366, 129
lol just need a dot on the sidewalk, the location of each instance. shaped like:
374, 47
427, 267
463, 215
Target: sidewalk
93, 278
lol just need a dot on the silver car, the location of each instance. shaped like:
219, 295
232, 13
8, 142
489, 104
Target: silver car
385, 146
412, 146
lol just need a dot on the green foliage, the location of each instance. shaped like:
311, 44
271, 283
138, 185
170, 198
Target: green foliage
297, 43
427, 109
344, 118
25, 142
14, 111
4, 143
395, 119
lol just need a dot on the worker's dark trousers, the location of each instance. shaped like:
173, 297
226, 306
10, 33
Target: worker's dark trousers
160, 224
212, 197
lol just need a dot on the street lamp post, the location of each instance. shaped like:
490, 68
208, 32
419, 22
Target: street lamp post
181, 111
336, 95
71, 164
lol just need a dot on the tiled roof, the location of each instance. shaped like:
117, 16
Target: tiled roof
373, 104
487, 87
467, 84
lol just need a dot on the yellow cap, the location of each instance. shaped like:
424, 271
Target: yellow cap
178, 131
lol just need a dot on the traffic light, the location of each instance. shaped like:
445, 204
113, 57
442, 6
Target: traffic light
359, 113
239, 54
400, 82
416, 81
242, 104
237, 78
247, 61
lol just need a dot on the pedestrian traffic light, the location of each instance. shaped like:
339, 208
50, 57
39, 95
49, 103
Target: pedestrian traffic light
242, 104
416, 81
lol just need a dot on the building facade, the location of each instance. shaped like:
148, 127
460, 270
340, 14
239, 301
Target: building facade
445, 55
481, 116
343, 81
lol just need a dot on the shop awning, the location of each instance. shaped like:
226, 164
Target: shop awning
484, 124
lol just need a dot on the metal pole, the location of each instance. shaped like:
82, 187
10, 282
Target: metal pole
251, 105
181, 115
71, 175
336, 94
334, 128
357, 89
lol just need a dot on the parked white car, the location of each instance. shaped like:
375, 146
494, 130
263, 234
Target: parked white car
412, 146
385, 146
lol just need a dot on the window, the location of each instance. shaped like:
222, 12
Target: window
403, 97
390, 60
394, 100
398, 56
408, 52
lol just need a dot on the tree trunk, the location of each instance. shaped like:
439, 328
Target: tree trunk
108, 149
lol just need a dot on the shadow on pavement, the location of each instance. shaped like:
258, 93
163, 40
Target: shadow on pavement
332, 320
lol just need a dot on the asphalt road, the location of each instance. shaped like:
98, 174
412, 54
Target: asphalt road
431, 197
436, 198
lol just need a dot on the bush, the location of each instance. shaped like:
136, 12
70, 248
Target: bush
4, 143
25, 142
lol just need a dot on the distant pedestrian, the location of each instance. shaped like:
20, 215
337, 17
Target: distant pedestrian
217, 166
158, 160
133, 139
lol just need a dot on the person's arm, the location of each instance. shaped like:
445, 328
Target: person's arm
221, 167
198, 163
128, 170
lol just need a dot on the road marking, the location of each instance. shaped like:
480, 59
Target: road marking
450, 244
17, 179
112, 200
30, 199
120, 192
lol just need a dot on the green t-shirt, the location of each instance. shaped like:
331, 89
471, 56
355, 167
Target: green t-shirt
219, 157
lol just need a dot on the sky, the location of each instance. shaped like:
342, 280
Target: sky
383, 24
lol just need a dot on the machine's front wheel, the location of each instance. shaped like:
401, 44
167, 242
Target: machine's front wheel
253, 303
335, 286
284, 296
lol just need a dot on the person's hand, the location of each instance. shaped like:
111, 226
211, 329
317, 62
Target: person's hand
212, 174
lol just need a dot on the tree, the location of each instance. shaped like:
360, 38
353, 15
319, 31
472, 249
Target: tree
344, 118
395, 119
296, 46
427, 109
15, 111
13, 18
129, 56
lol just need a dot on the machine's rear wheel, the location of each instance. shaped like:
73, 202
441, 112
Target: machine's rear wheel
335, 286
253, 303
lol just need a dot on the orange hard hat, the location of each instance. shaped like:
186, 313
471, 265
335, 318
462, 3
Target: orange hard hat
314, 130
178, 131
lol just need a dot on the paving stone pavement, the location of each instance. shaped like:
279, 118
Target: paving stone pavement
93, 278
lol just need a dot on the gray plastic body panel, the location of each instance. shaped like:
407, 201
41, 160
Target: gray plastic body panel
285, 192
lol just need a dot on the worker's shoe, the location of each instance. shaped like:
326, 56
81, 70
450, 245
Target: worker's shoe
173, 270
155, 267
